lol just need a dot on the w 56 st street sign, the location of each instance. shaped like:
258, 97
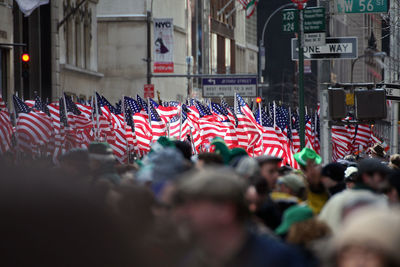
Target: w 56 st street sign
360, 6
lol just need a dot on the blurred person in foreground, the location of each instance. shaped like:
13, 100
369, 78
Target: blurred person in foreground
369, 182
211, 204
48, 221
369, 238
393, 188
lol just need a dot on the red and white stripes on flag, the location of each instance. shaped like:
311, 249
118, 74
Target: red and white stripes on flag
6, 130
33, 129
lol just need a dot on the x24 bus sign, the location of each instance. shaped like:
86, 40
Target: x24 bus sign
360, 6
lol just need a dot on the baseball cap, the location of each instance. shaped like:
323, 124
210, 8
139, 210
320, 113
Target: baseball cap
292, 215
292, 181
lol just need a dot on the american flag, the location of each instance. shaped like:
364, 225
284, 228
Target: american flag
341, 142
132, 105
39, 105
230, 112
281, 129
142, 103
2, 104
309, 133
166, 113
175, 126
33, 129
296, 146
20, 106
271, 143
105, 102
6, 130
158, 126
248, 131
76, 118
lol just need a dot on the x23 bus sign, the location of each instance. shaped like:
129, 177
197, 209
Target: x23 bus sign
360, 6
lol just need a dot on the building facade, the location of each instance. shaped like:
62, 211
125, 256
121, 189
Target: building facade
7, 49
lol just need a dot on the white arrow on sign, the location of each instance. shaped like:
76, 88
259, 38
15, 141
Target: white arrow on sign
211, 81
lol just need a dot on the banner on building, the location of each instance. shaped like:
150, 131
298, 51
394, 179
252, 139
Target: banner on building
28, 6
163, 45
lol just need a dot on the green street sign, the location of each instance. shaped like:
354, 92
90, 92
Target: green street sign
314, 20
360, 6
290, 18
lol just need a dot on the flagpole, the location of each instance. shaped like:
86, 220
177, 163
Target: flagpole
97, 118
65, 109
274, 113
149, 110
123, 116
192, 141
260, 117
180, 122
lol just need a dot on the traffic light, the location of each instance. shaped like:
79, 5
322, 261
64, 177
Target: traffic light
25, 65
25, 57
258, 100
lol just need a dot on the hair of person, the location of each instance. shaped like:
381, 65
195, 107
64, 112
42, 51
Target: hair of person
211, 158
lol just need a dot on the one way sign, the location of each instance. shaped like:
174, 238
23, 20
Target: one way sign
335, 48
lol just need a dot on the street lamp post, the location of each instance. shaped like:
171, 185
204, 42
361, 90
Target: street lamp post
261, 45
367, 54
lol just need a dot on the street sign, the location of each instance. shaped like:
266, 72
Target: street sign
216, 87
290, 18
335, 48
314, 39
314, 20
360, 6
148, 90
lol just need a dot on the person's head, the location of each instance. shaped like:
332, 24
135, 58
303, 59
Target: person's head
377, 151
395, 161
369, 237
247, 167
393, 191
291, 184
372, 173
332, 174
99, 155
185, 148
305, 233
292, 215
269, 167
211, 200
305, 156
75, 162
257, 191
350, 176
207, 159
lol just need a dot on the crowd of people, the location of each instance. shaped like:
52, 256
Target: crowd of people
217, 209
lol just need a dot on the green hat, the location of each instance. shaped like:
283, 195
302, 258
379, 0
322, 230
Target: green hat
306, 154
292, 215
221, 149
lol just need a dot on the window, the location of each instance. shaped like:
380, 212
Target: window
87, 22
78, 40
